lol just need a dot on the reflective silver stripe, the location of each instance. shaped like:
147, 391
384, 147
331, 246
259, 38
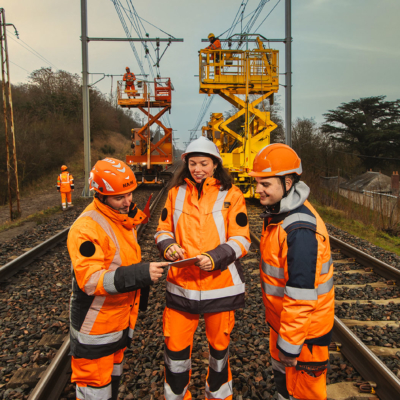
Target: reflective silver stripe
273, 290
97, 217
91, 315
218, 217
299, 171
92, 282
98, 301
278, 366
326, 266
177, 366
298, 217
130, 333
301, 294
105, 338
246, 244
93, 393
162, 237
236, 248
170, 395
118, 369
108, 283
292, 398
270, 270
235, 275
205, 294
222, 393
180, 198
325, 287
218, 365
288, 347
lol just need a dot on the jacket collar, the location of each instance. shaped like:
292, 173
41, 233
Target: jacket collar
118, 218
207, 183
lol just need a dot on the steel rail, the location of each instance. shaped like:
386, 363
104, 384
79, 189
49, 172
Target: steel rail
381, 268
369, 366
55, 377
11, 268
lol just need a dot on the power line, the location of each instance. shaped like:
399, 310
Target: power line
33, 51
20, 67
267, 15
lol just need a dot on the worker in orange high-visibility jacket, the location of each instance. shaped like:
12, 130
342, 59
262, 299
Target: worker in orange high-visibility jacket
205, 216
106, 280
129, 78
65, 185
296, 276
215, 44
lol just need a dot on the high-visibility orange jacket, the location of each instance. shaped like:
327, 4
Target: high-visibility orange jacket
129, 78
297, 274
65, 182
214, 46
214, 224
107, 274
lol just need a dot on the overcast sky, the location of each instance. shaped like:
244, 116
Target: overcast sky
342, 49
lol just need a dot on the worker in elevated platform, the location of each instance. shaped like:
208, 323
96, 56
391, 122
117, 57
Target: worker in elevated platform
205, 217
215, 44
296, 276
106, 280
65, 185
129, 78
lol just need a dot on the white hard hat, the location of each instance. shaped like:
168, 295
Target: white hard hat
202, 145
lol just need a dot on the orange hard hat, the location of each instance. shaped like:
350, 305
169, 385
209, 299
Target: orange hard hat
276, 159
127, 68
112, 177
64, 167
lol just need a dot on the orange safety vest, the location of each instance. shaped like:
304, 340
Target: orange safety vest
214, 46
297, 276
129, 78
65, 182
216, 224
104, 304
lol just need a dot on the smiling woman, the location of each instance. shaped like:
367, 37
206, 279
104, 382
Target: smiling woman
204, 218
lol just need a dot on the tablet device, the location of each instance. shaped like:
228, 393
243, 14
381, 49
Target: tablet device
184, 263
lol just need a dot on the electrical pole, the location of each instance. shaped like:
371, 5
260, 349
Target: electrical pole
288, 71
8, 113
85, 98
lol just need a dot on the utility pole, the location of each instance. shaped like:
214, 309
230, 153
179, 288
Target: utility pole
8, 113
288, 71
85, 98
85, 86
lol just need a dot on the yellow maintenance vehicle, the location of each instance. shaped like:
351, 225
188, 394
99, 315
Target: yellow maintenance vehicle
244, 78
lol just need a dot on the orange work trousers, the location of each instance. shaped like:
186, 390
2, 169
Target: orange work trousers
179, 328
66, 197
99, 378
306, 381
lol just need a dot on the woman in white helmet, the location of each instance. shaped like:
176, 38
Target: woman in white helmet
205, 216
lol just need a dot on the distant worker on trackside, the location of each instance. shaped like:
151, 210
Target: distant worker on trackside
65, 185
296, 276
215, 44
129, 78
107, 275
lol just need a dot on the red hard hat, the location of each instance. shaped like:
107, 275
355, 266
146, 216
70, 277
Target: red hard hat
276, 160
112, 177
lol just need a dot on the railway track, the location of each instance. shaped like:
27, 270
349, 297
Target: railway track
33, 338
367, 313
